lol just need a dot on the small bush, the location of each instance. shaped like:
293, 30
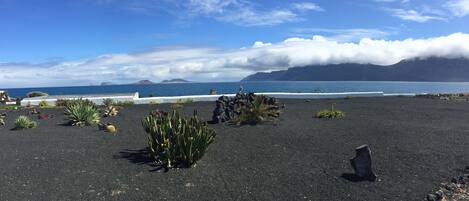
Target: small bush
108, 102
348, 97
36, 94
82, 112
43, 103
175, 141
23, 122
330, 114
124, 103
62, 102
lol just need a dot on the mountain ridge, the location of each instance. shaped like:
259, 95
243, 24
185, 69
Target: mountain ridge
428, 69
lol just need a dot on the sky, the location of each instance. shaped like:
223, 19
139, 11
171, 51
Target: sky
86, 42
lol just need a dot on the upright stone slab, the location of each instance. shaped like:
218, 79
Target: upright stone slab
362, 163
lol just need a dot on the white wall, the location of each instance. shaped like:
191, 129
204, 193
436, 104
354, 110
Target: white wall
196, 98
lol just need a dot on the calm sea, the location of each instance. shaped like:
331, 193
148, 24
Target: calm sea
279, 86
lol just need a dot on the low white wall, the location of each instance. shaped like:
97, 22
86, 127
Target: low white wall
201, 98
97, 99
197, 98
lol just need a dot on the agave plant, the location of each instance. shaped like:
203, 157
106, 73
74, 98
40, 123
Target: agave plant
82, 112
23, 122
111, 111
175, 141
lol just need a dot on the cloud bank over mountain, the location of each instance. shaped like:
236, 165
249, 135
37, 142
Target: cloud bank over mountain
215, 64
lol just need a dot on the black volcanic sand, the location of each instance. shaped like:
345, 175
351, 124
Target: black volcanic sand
417, 143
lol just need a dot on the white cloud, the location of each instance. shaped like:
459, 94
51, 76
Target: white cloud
245, 13
413, 15
459, 8
305, 6
344, 35
211, 64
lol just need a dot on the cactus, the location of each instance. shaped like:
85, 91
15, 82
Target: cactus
175, 141
82, 112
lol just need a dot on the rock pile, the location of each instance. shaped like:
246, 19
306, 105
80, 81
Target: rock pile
457, 189
228, 108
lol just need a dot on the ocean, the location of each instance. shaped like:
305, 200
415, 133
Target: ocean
177, 89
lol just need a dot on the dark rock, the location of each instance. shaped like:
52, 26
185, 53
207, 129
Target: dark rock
432, 197
362, 163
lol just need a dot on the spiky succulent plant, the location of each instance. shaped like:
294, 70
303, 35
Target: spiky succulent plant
23, 122
82, 112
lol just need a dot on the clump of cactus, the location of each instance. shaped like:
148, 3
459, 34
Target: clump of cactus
82, 112
246, 109
23, 122
330, 113
111, 111
175, 141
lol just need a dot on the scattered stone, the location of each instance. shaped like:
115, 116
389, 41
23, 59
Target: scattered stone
362, 163
457, 189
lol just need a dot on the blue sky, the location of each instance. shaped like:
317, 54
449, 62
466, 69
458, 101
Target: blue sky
113, 36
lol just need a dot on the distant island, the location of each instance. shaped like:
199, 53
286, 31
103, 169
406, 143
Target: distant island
433, 69
143, 82
175, 81
106, 83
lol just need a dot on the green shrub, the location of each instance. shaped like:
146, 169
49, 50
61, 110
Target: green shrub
62, 102
348, 97
23, 122
43, 103
108, 102
331, 114
36, 94
124, 103
82, 112
175, 141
